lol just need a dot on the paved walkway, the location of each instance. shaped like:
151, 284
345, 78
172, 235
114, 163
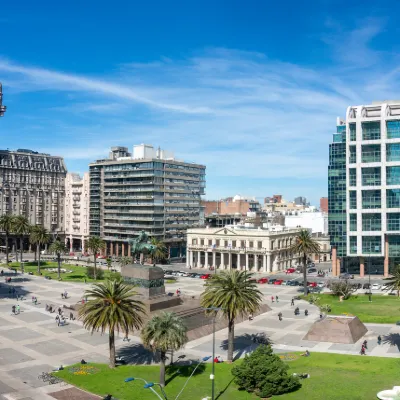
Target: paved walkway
32, 343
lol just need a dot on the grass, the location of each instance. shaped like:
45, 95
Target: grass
333, 377
78, 273
382, 309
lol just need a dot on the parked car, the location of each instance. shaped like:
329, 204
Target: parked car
272, 281
101, 257
356, 285
290, 270
206, 276
278, 282
194, 275
321, 284
263, 280
375, 286
312, 271
312, 284
346, 276
366, 286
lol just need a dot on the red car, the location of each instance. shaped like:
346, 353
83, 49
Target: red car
263, 280
205, 276
312, 284
278, 282
290, 270
101, 257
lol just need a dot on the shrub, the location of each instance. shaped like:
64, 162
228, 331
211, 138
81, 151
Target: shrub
264, 374
342, 288
313, 299
325, 308
90, 273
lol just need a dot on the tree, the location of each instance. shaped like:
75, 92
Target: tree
264, 374
235, 294
159, 252
305, 245
111, 307
124, 261
342, 288
6, 225
95, 244
58, 248
20, 228
393, 283
39, 236
164, 332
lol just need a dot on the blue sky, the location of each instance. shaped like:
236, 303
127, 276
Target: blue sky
251, 89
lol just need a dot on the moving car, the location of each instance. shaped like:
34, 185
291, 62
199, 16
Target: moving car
312, 271
278, 282
206, 276
376, 286
346, 276
290, 270
312, 284
321, 284
263, 280
272, 281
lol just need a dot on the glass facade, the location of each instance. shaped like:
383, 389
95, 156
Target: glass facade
352, 154
394, 245
393, 198
353, 136
353, 222
353, 244
393, 129
370, 153
352, 176
371, 176
337, 195
393, 175
393, 221
371, 199
393, 152
371, 130
371, 222
371, 245
353, 199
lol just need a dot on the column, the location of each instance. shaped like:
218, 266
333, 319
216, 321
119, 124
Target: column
83, 244
70, 244
206, 260
222, 266
334, 272
265, 263
117, 249
123, 250
187, 258
247, 262
191, 254
256, 262
269, 269
239, 264
198, 259
275, 266
361, 267
111, 249
129, 250
229, 261
386, 261
214, 259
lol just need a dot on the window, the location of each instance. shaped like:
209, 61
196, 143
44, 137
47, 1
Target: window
233, 243
352, 176
371, 222
371, 199
353, 222
393, 129
371, 130
353, 244
353, 135
209, 242
353, 199
250, 244
393, 152
259, 245
370, 153
371, 176
393, 198
371, 245
337, 138
341, 128
353, 154
393, 175
394, 245
393, 221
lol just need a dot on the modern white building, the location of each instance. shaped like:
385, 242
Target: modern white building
76, 211
238, 247
315, 220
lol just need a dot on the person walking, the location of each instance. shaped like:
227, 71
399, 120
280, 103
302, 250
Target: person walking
18, 309
365, 344
379, 339
272, 299
280, 316
292, 302
13, 309
277, 299
362, 352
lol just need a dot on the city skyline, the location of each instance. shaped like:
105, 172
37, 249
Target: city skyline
231, 96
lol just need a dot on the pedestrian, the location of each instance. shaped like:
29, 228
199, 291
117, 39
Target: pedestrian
292, 302
62, 295
13, 309
35, 301
306, 312
57, 319
362, 352
296, 311
59, 310
250, 317
365, 344
280, 316
126, 338
65, 294
18, 309
277, 299
272, 299
71, 316
379, 339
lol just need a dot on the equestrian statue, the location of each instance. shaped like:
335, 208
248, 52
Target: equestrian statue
141, 245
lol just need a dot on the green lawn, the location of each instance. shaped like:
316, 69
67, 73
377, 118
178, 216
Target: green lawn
333, 377
382, 309
78, 273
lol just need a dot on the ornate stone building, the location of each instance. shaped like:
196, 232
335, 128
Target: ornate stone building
32, 184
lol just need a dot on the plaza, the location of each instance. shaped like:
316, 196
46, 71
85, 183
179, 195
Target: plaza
32, 343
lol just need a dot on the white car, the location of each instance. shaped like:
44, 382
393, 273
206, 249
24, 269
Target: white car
321, 284
376, 286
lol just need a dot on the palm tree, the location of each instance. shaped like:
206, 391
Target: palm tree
6, 225
235, 294
160, 250
111, 307
59, 248
165, 331
95, 244
394, 281
304, 245
20, 228
39, 236
124, 261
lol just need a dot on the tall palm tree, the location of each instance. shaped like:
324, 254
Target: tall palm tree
95, 244
160, 250
305, 245
111, 307
235, 294
20, 228
394, 281
58, 247
6, 225
165, 331
39, 236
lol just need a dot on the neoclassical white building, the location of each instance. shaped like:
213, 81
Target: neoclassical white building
251, 249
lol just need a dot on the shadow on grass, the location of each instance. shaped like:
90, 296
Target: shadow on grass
184, 370
393, 339
137, 354
246, 343
224, 389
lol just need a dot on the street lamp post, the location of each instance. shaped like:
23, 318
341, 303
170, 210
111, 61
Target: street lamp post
2, 108
149, 385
